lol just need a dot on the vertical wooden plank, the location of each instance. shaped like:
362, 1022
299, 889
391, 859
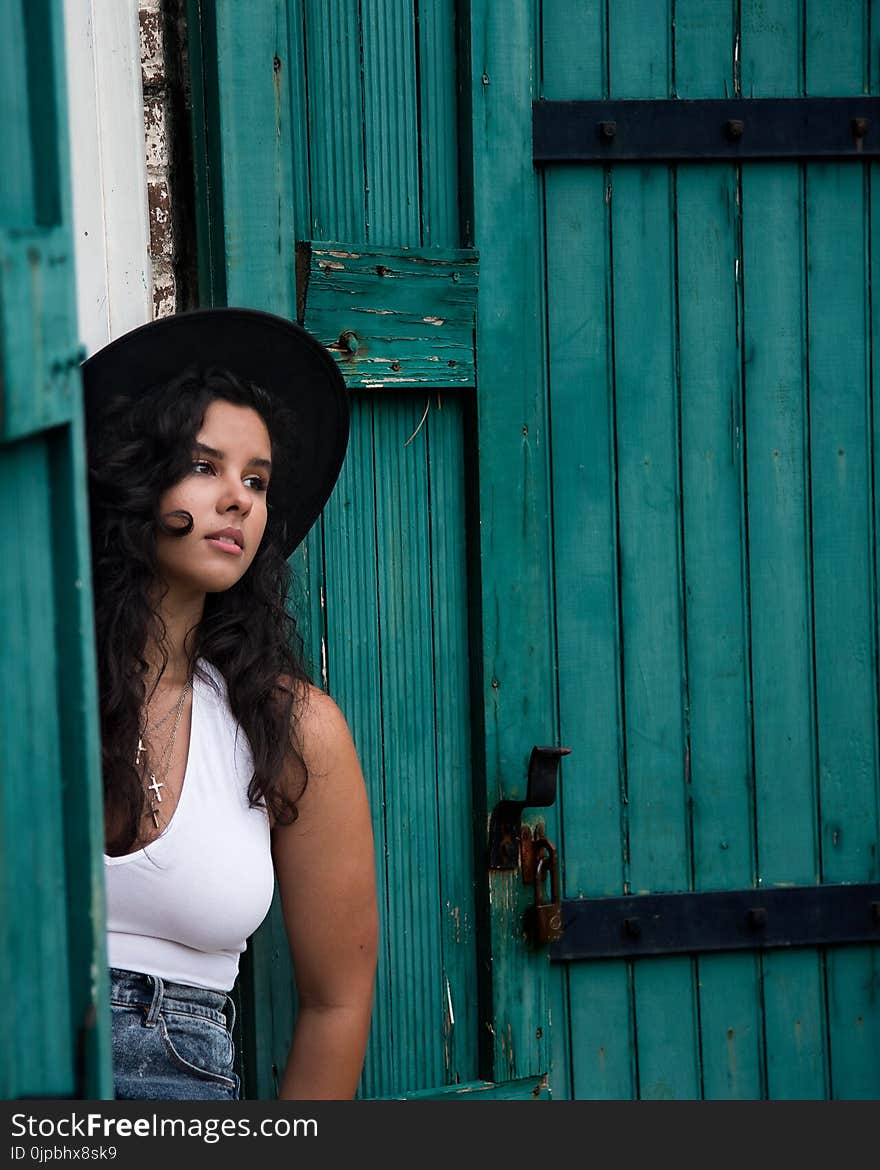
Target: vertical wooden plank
297, 81
82, 806
35, 918
843, 535
411, 813
207, 151
654, 664
719, 700
17, 190
46, 110
779, 551
255, 125
592, 1000
513, 544
444, 433
391, 144
438, 123
873, 327
335, 120
352, 655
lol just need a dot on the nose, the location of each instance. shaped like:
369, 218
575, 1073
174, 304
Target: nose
234, 498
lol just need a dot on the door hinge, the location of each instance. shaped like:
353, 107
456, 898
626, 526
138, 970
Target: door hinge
681, 130
723, 920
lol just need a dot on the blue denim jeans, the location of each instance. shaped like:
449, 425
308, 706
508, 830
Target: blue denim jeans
171, 1042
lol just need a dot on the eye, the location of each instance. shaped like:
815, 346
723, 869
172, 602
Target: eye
256, 482
202, 467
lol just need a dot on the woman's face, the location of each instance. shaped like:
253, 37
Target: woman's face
225, 493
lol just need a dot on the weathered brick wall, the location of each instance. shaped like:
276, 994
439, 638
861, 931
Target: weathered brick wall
168, 154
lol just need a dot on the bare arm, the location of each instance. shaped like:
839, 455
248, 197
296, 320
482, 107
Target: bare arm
326, 877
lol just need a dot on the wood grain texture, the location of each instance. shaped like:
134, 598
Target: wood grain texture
657, 814
779, 552
80, 750
409, 749
445, 430
392, 317
391, 138
594, 1001
838, 232
253, 115
709, 267
351, 657
517, 650
439, 177
17, 192
335, 105
34, 916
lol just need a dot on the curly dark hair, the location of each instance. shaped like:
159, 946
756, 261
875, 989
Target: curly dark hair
140, 449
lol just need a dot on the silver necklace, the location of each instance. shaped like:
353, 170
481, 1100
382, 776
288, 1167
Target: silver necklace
156, 785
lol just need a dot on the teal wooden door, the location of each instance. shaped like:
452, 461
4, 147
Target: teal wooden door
54, 1017
337, 125
645, 530
710, 383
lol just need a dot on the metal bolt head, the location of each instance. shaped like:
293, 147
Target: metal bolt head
348, 340
734, 128
860, 127
608, 130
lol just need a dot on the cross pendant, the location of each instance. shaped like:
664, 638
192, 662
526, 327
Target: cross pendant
154, 813
141, 748
155, 786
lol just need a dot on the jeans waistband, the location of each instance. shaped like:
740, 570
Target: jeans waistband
136, 987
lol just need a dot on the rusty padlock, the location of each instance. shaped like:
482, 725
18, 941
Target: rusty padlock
543, 921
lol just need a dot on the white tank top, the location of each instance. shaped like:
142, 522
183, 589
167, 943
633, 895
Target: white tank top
184, 907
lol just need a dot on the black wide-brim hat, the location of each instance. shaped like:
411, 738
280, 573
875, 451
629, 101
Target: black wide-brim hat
281, 357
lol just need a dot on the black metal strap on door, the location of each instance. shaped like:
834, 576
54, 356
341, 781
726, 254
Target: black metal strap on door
727, 920
714, 128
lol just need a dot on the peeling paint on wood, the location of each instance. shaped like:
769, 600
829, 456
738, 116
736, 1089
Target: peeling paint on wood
391, 316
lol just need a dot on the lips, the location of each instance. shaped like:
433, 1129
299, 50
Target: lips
230, 538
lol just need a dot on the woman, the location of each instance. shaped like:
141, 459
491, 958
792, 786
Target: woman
214, 441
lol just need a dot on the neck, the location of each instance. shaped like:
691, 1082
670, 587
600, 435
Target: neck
181, 614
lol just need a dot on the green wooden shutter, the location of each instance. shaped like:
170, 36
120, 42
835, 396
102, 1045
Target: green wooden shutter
53, 979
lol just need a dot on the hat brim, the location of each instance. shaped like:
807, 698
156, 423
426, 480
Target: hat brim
278, 355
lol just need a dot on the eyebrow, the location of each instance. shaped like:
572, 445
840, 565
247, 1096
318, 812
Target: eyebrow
204, 449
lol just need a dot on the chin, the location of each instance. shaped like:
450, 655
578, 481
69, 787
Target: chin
195, 583
219, 583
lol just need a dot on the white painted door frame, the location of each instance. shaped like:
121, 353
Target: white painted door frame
108, 168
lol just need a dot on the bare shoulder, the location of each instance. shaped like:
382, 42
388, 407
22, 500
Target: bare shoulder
323, 730
334, 780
